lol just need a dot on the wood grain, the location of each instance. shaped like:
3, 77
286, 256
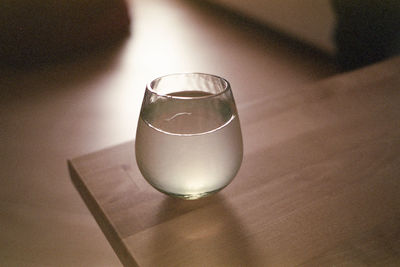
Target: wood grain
319, 186
58, 111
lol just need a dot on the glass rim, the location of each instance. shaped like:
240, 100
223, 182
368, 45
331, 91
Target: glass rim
227, 86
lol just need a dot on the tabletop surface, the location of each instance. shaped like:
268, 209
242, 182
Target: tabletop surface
319, 185
53, 112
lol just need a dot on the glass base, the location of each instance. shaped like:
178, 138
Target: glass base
189, 196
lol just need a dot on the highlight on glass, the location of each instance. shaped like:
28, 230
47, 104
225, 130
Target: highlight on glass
188, 140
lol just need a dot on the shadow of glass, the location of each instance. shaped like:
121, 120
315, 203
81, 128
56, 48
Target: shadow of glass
204, 232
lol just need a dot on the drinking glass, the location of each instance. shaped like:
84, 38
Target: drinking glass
188, 139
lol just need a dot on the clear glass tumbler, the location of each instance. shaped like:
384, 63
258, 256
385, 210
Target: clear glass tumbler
188, 140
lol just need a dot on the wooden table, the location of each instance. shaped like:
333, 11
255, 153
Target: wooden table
319, 186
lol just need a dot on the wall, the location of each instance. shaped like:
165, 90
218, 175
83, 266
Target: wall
310, 21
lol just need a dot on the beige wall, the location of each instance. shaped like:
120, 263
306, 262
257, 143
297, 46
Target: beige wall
311, 21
